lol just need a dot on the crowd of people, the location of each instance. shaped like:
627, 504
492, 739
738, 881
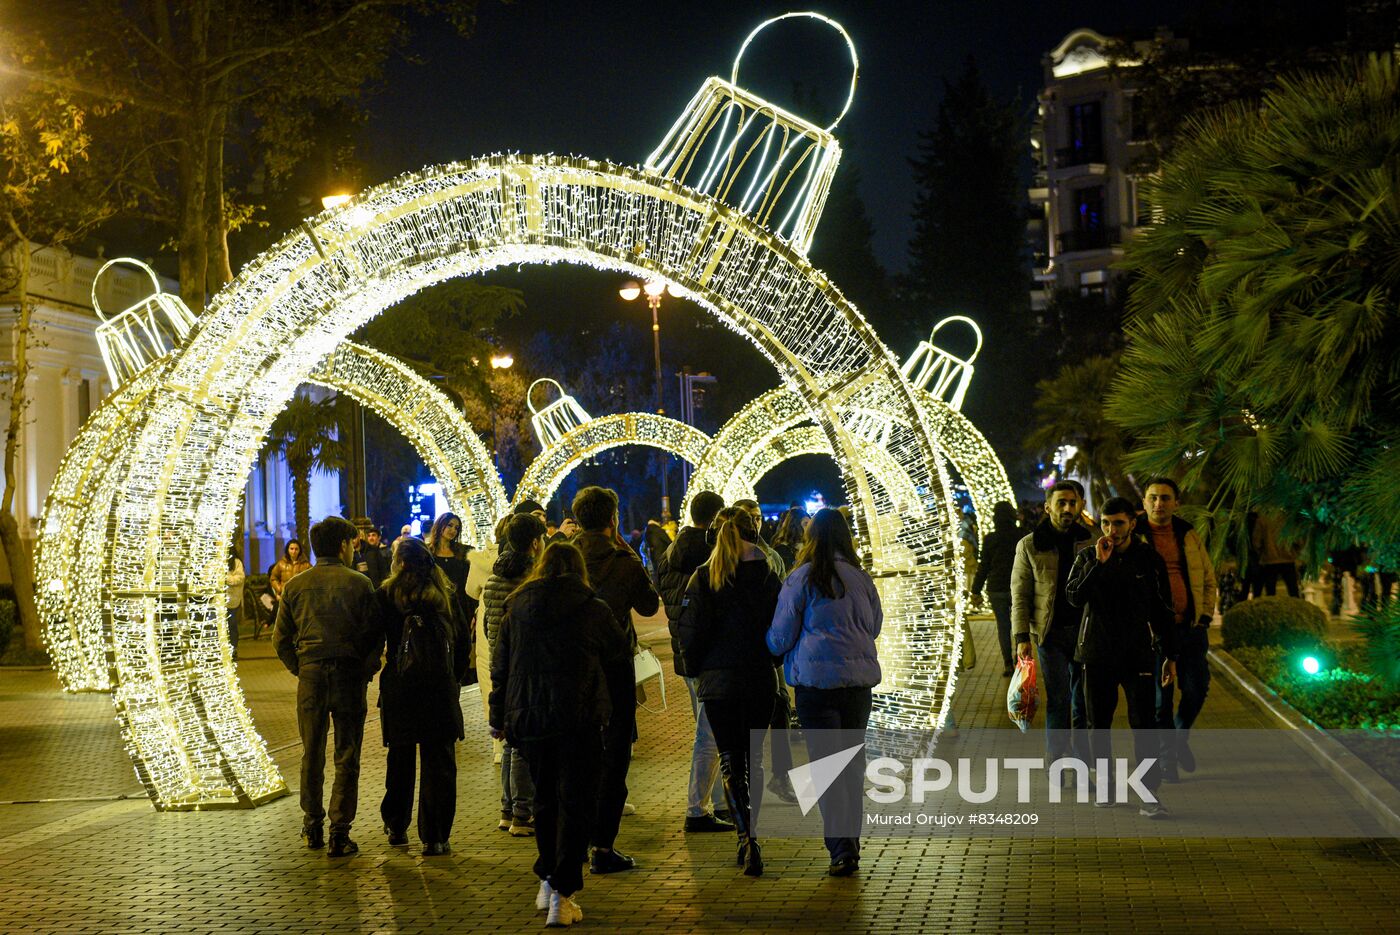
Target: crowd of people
759, 630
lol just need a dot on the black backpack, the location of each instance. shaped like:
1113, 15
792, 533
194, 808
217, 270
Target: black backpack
425, 652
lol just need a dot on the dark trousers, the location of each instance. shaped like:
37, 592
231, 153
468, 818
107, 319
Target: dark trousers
612, 785
1065, 717
824, 714
566, 772
1193, 676
1101, 683
1269, 575
1001, 609
777, 731
326, 691
437, 791
732, 720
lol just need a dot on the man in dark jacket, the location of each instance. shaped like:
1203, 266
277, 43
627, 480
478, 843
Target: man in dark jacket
373, 558
326, 636
1121, 583
687, 553
616, 574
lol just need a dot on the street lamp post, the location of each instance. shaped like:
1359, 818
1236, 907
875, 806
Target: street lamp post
501, 361
654, 289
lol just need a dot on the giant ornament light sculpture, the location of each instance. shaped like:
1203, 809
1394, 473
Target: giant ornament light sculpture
176, 441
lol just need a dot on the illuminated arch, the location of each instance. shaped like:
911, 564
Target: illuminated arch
595, 436
810, 440
72, 534
180, 458
738, 454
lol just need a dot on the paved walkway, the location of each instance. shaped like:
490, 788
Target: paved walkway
107, 866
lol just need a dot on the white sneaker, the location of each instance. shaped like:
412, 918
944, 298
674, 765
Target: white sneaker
542, 897
628, 808
563, 911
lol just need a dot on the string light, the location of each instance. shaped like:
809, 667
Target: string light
168, 468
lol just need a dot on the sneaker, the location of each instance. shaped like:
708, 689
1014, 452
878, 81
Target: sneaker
506, 820
522, 828
613, 861
843, 867
724, 815
695, 824
542, 897
437, 849
563, 912
1153, 810
1169, 773
1185, 757
341, 845
1109, 804
628, 808
396, 838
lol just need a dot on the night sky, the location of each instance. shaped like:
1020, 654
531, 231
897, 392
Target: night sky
607, 79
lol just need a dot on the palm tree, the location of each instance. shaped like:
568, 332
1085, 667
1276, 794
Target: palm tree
1069, 411
1263, 352
307, 435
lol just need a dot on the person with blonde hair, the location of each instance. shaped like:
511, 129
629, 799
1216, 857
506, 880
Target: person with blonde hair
550, 698
724, 620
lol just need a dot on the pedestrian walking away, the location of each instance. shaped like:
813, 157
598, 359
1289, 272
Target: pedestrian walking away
326, 636
550, 697
728, 607
994, 573
825, 627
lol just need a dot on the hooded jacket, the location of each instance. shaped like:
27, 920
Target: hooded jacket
1035, 576
687, 553
547, 669
722, 634
828, 642
506, 575
1128, 618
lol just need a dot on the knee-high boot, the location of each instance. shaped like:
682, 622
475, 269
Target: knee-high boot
734, 768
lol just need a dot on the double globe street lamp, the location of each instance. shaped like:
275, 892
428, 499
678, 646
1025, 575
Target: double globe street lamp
654, 289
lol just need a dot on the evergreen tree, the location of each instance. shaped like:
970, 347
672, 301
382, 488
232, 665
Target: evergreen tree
844, 250
967, 253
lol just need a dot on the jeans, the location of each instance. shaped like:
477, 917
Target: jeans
704, 760
1001, 609
566, 771
517, 789
1193, 675
233, 616
823, 712
326, 691
1066, 718
612, 784
437, 790
1101, 683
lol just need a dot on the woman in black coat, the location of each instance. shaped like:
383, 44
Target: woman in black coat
549, 698
994, 572
418, 692
723, 626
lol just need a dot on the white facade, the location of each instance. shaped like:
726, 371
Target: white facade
1085, 197
68, 380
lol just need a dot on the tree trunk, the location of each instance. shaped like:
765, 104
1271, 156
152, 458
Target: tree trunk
301, 501
16, 558
192, 240
219, 271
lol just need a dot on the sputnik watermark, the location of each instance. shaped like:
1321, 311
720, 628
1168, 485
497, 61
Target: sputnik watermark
932, 775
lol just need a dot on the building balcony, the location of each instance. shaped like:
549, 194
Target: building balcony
1071, 157
1081, 241
1038, 195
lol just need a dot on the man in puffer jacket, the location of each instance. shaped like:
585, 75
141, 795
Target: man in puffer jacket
524, 538
687, 553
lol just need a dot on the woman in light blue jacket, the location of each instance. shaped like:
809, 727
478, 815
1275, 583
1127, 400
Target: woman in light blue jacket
825, 628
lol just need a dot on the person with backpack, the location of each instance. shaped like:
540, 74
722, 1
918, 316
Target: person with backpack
550, 698
427, 658
723, 624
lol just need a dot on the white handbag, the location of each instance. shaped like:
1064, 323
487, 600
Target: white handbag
645, 665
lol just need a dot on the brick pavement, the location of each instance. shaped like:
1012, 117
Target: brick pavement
120, 867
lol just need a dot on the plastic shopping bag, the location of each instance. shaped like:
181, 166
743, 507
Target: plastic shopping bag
1024, 694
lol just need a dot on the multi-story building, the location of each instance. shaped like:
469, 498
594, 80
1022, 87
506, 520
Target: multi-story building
1085, 198
68, 380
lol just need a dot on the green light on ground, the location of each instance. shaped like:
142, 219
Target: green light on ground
1311, 665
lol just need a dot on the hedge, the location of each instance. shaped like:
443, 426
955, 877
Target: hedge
1289, 622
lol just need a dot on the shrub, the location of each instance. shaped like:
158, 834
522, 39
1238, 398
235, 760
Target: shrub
1381, 630
1338, 698
7, 623
1273, 621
